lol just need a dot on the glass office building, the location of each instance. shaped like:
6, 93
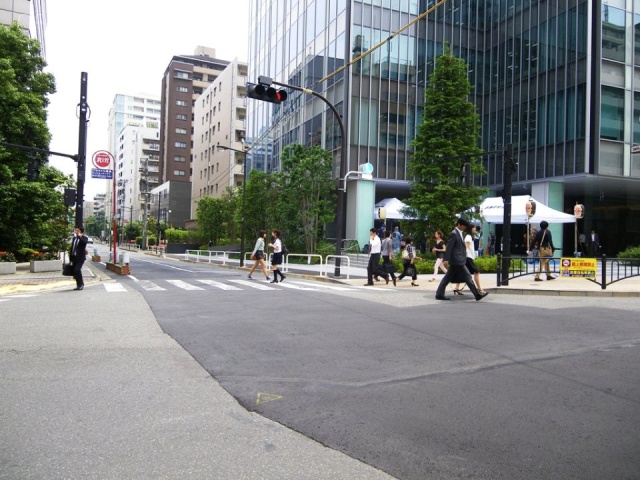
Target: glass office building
559, 80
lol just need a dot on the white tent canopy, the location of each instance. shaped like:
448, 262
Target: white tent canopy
393, 208
492, 209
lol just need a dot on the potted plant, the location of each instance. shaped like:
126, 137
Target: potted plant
7, 263
46, 261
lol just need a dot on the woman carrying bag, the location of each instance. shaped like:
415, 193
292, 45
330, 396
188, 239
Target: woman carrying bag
408, 262
258, 256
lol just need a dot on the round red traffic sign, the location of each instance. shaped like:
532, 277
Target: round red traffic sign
102, 159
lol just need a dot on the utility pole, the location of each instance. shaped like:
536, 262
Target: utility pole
509, 166
82, 147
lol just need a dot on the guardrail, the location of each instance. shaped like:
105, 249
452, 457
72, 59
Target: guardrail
609, 271
209, 256
308, 256
341, 257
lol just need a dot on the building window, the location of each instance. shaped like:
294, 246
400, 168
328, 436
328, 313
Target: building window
612, 114
181, 103
183, 89
179, 159
613, 33
180, 145
181, 116
183, 75
182, 131
179, 173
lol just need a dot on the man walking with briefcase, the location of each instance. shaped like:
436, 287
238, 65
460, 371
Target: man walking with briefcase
77, 255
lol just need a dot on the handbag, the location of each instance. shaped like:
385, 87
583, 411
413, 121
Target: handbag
545, 251
389, 267
405, 254
67, 270
411, 271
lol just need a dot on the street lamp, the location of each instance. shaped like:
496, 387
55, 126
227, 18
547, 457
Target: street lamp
244, 190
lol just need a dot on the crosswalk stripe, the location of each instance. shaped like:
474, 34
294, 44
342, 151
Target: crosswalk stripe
220, 285
293, 286
149, 286
253, 284
322, 285
114, 287
184, 285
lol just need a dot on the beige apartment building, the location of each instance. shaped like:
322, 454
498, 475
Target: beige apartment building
219, 120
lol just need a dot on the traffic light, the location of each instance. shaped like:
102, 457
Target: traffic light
69, 197
266, 93
33, 169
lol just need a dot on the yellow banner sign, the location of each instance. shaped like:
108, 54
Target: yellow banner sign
578, 267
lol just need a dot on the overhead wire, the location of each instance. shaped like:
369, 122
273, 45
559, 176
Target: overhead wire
383, 42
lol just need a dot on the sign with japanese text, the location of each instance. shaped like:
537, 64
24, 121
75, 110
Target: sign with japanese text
578, 267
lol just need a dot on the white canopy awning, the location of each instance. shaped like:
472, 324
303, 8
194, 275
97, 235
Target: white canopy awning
393, 208
492, 210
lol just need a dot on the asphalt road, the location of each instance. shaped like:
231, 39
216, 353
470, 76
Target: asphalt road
513, 387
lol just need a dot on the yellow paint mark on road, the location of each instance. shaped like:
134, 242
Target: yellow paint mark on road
266, 397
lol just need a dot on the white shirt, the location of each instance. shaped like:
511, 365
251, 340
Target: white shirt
468, 243
376, 244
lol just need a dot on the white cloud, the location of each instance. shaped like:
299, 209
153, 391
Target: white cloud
125, 47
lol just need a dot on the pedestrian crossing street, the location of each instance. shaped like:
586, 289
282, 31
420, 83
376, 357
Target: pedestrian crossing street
234, 285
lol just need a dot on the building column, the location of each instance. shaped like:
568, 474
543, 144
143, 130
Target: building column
361, 200
552, 195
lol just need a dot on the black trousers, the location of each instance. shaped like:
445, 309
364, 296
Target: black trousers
374, 269
457, 274
77, 272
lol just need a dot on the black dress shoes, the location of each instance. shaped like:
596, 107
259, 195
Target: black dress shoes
442, 298
481, 296
368, 284
79, 288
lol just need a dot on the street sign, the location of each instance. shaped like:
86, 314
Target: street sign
102, 159
103, 174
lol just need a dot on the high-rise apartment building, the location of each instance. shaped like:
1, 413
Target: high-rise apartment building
219, 120
560, 81
23, 11
138, 147
185, 79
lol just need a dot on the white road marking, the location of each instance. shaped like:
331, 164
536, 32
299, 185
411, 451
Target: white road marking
220, 285
114, 287
254, 284
184, 285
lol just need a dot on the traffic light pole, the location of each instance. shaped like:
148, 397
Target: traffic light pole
82, 148
340, 216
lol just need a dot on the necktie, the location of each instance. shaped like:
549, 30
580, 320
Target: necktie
75, 243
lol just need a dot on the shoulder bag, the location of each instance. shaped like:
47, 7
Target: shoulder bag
545, 251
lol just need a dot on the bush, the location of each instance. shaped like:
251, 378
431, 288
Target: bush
7, 257
632, 252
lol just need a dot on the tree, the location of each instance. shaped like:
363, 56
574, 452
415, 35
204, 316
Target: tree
307, 194
450, 130
32, 213
213, 216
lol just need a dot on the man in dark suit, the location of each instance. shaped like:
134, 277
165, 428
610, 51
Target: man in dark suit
456, 255
77, 255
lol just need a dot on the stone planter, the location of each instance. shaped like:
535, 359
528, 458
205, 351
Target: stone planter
119, 269
38, 266
7, 268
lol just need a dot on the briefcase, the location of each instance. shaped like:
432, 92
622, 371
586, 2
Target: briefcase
67, 270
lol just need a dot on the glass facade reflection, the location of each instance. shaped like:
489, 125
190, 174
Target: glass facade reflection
558, 80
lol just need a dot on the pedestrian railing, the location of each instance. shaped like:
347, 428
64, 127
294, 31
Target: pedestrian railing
608, 271
287, 265
209, 256
330, 260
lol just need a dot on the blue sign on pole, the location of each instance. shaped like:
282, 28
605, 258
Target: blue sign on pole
101, 173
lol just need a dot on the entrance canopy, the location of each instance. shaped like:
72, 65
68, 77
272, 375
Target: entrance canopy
492, 209
393, 208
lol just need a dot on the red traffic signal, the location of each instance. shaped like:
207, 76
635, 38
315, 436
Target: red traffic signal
266, 93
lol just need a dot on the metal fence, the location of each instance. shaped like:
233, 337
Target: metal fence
608, 270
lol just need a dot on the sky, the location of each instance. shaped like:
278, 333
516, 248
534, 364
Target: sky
125, 47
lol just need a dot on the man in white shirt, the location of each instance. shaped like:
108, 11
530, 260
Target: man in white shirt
373, 268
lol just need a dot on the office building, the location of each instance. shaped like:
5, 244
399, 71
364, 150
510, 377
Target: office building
560, 81
27, 13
